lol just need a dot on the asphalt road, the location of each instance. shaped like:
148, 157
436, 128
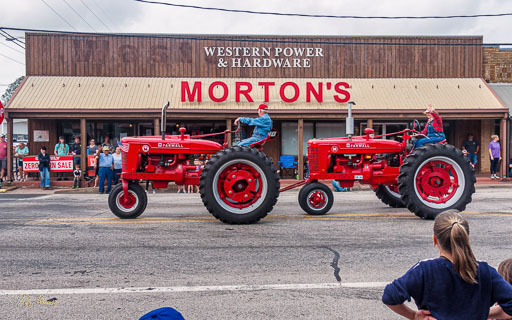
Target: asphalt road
68, 257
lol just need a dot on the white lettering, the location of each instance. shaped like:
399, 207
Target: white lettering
247, 52
278, 51
209, 51
288, 51
247, 64
266, 52
220, 51
296, 63
287, 64
277, 62
309, 52
319, 52
267, 63
306, 63
236, 62
256, 63
255, 51
299, 51
229, 52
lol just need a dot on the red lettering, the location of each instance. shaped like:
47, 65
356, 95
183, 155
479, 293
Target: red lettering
190, 95
338, 89
266, 86
245, 92
310, 89
295, 96
224, 87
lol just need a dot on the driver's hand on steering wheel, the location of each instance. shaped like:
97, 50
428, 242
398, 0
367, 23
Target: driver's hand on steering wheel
236, 121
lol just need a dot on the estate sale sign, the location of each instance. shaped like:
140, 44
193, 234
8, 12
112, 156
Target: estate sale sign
57, 164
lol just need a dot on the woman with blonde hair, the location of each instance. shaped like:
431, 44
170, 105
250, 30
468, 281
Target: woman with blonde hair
453, 286
495, 155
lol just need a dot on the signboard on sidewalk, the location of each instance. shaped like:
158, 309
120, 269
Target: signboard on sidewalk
57, 164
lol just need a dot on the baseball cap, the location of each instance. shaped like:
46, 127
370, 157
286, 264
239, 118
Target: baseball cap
165, 313
106, 148
263, 107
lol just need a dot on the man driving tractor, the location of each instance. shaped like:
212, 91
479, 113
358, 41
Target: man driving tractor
263, 125
433, 131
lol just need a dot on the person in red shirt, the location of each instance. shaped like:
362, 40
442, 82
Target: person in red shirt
3, 158
433, 131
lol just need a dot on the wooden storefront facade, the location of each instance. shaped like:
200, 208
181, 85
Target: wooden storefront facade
253, 60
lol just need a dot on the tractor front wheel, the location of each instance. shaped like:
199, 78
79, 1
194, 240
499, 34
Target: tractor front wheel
435, 178
239, 185
131, 206
316, 198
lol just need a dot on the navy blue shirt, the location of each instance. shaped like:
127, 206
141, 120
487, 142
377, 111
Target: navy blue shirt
435, 286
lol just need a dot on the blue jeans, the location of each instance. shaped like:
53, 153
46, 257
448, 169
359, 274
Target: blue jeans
45, 177
105, 173
427, 140
250, 140
473, 158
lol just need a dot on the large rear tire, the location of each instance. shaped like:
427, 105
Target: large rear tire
316, 198
129, 208
435, 178
389, 195
239, 185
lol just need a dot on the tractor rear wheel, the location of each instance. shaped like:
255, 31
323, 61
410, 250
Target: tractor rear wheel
316, 198
435, 178
131, 207
389, 195
239, 185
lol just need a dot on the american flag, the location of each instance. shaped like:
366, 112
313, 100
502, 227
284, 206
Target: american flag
124, 147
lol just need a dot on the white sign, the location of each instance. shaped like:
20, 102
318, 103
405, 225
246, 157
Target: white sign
263, 57
41, 136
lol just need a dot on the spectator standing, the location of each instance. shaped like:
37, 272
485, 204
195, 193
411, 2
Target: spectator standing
21, 151
92, 147
97, 167
77, 174
510, 168
106, 170
61, 149
3, 158
118, 165
472, 147
44, 168
76, 150
106, 143
453, 286
495, 155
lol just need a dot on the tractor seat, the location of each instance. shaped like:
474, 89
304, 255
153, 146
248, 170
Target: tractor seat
259, 144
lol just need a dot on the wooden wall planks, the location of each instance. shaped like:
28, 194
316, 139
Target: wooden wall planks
153, 56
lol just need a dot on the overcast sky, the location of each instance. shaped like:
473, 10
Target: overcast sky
132, 17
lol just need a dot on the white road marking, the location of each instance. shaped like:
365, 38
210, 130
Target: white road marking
244, 287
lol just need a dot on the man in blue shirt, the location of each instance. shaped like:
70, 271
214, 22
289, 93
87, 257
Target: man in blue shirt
106, 170
262, 126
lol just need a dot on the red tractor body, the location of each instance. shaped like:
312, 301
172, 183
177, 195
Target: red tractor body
363, 159
163, 161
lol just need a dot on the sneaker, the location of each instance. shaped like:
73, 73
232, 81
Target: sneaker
179, 191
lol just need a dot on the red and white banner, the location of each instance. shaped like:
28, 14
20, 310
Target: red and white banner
57, 164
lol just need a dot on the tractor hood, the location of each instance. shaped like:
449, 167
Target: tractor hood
172, 144
356, 145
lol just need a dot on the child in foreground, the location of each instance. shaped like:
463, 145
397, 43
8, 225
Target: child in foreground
453, 286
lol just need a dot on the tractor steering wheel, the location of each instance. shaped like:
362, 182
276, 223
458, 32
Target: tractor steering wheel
416, 123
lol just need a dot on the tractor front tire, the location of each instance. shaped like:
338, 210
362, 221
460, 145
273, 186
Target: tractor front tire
316, 198
435, 178
239, 185
388, 196
131, 208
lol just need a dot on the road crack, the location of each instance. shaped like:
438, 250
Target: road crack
334, 263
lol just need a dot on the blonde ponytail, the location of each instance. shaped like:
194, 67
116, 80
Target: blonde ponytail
452, 233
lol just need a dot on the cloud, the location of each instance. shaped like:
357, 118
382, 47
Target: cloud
132, 17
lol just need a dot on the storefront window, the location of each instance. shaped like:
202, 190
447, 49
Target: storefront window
289, 138
330, 129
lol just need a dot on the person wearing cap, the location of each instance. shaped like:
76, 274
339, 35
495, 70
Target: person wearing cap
433, 131
3, 158
21, 151
106, 163
61, 149
262, 125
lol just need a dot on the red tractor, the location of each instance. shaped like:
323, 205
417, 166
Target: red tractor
237, 185
240, 185
427, 180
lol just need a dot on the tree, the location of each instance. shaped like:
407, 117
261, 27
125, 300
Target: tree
11, 89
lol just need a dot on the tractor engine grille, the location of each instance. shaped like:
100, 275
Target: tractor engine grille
313, 159
124, 155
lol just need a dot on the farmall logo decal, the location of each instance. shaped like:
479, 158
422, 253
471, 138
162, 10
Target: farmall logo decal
145, 148
357, 145
334, 149
170, 145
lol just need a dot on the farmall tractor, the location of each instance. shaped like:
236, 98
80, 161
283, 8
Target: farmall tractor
240, 185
